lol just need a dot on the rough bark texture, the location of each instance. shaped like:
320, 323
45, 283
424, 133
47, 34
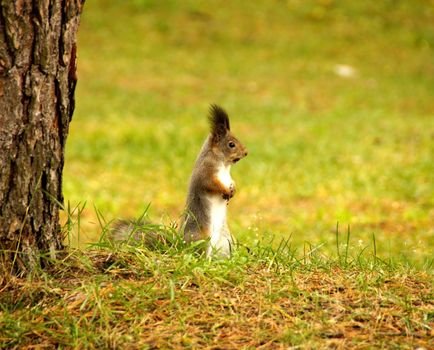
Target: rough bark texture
37, 83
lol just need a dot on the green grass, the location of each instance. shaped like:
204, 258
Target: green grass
323, 149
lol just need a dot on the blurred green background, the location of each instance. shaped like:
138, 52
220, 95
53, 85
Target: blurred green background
333, 99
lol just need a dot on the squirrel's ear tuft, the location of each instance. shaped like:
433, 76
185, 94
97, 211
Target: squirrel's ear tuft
219, 121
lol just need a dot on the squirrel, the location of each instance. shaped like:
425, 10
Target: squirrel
210, 189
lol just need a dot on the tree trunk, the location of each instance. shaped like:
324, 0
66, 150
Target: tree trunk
37, 83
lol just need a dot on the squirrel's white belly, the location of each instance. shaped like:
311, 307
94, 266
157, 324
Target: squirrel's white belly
217, 215
220, 239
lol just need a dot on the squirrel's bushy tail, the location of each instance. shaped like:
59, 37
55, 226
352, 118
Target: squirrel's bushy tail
143, 233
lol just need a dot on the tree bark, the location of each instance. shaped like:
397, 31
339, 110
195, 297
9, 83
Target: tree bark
37, 83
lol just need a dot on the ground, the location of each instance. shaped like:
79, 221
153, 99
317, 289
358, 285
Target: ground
132, 298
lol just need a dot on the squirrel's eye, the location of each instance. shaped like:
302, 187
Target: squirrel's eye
231, 144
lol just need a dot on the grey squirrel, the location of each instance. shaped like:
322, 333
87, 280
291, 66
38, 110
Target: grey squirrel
211, 187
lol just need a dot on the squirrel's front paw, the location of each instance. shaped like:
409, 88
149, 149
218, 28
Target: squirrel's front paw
230, 193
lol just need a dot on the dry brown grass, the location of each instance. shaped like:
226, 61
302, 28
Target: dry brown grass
137, 299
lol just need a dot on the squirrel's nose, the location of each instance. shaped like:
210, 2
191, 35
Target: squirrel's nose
245, 153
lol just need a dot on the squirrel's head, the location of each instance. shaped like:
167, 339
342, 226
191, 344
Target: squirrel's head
222, 140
